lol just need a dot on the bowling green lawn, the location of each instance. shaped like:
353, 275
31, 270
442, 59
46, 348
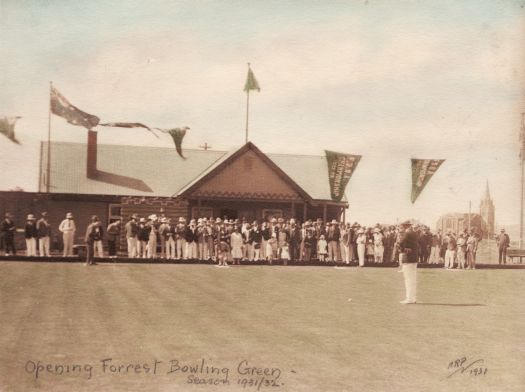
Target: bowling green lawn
124, 327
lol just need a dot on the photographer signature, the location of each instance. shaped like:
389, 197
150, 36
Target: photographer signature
463, 366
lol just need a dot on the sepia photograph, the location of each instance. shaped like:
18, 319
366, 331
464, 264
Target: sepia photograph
262, 195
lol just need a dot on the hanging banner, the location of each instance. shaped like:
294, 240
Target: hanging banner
422, 172
340, 169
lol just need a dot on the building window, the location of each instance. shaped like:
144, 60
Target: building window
273, 213
205, 212
114, 212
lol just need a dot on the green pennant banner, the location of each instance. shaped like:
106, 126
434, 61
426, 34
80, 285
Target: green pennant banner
422, 172
340, 169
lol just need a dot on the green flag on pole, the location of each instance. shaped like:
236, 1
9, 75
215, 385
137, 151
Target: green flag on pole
251, 82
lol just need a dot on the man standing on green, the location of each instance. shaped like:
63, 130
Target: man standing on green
410, 246
503, 241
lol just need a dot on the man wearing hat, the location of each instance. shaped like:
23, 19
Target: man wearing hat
93, 236
201, 239
113, 231
168, 233
256, 241
450, 253
143, 238
208, 235
31, 234
503, 241
191, 241
295, 241
67, 228
410, 246
333, 234
7, 228
44, 235
180, 238
162, 228
131, 235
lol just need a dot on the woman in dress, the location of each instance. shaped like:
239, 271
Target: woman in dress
361, 246
236, 246
322, 248
379, 248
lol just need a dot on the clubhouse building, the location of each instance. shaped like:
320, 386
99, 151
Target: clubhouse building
115, 180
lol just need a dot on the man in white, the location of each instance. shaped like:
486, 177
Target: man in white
450, 254
346, 242
67, 228
361, 246
410, 245
131, 235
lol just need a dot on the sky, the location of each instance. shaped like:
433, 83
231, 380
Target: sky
388, 80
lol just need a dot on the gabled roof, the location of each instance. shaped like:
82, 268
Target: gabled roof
230, 157
164, 172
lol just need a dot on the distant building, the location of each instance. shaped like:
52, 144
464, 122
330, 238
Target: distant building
487, 212
459, 222
482, 223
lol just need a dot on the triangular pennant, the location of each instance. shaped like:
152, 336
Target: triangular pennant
340, 169
251, 82
7, 127
422, 172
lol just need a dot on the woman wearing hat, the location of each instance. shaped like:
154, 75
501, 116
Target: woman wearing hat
68, 228
322, 248
153, 236
236, 242
379, 248
31, 234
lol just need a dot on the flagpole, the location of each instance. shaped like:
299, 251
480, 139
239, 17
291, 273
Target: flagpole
48, 175
469, 213
522, 159
247, 110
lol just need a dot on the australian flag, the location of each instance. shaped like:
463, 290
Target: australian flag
63, 108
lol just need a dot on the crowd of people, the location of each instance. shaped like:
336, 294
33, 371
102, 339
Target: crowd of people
234, 240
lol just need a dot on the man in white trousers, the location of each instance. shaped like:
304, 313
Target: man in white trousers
410, 246
67, 228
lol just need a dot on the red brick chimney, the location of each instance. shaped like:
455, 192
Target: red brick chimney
91, 164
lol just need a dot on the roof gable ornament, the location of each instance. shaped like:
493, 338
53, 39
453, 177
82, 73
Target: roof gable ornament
230, 171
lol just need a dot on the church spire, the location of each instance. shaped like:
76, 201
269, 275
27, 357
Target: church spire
487, 191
